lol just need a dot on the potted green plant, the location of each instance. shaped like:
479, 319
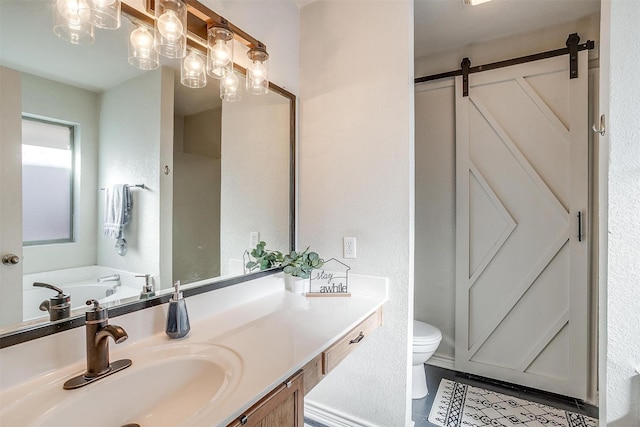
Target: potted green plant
297, 269
264, 258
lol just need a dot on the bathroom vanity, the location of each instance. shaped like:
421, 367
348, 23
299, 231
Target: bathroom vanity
284, 406
254, 351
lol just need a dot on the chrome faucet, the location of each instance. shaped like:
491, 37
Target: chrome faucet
98, 332
110, 278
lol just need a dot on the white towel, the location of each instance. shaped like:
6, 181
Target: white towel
117, 210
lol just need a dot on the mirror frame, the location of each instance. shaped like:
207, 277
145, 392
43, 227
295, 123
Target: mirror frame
31, 332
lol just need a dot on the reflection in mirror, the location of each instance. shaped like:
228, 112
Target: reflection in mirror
213, 172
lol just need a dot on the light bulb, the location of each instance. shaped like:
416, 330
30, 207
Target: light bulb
75, 12
103, 3
231, 82
73, 21
170, 26
105, 13
141, 52
221, 53
229, 87
258, 72
141, 40
193, 63
192, 73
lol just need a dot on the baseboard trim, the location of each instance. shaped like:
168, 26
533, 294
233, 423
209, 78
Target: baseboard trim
331, 417
441, 361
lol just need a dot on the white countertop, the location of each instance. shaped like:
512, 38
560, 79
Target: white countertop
274, 335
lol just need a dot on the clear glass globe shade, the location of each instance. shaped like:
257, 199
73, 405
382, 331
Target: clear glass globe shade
170, 26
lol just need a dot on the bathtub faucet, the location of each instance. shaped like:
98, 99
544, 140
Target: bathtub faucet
110, 278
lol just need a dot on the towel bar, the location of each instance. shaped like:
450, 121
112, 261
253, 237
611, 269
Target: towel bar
131, 185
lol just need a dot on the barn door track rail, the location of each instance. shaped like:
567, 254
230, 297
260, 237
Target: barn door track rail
572, 48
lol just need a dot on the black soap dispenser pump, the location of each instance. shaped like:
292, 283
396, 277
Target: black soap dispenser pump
177, 318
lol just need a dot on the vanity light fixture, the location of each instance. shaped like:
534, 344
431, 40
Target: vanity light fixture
209, 33
257, 80
73, 21
171, 28
141, 51
230, 88
192, 72
105, 13
219, 50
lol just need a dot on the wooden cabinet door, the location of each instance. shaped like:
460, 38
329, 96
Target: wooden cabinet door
283, 407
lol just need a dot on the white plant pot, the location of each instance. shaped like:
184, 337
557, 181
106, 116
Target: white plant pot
296, 285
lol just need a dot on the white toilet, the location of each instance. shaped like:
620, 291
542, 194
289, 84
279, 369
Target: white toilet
426, 339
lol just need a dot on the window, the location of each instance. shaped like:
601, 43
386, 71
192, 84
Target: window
47, 181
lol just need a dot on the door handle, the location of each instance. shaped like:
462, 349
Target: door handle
602, 129
10, 259
579, 226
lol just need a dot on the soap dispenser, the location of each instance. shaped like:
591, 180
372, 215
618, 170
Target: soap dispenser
177, 318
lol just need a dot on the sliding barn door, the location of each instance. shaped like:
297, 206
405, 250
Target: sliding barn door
521, 269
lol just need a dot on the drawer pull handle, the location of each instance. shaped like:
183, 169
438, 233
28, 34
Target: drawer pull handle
244, 419
357, 339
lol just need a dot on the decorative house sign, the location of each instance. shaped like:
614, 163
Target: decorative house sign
330, 281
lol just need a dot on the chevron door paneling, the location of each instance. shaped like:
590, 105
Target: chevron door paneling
521, 179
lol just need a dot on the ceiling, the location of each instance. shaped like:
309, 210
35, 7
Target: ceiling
442, 25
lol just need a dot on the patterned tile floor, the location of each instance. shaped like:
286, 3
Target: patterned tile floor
421, 407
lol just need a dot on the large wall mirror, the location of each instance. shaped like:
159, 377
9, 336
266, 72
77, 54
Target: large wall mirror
216, 174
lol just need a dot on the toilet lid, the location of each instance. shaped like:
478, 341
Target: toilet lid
424, 333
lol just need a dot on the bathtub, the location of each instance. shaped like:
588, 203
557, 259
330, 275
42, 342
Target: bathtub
81, 284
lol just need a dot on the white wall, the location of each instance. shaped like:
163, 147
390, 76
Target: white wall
53, 100
435, 167
255, 175
130, 154
356, 179
622, 391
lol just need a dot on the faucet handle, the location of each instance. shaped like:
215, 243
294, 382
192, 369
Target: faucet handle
48, 286
98, 313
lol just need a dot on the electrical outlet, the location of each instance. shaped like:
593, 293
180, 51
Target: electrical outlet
254, 239
349, 247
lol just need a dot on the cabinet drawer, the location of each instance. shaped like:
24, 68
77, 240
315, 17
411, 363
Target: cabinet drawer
345, 345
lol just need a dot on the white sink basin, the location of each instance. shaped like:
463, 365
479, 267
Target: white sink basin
169, 385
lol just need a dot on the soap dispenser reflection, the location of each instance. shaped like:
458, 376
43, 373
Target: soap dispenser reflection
177, 318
